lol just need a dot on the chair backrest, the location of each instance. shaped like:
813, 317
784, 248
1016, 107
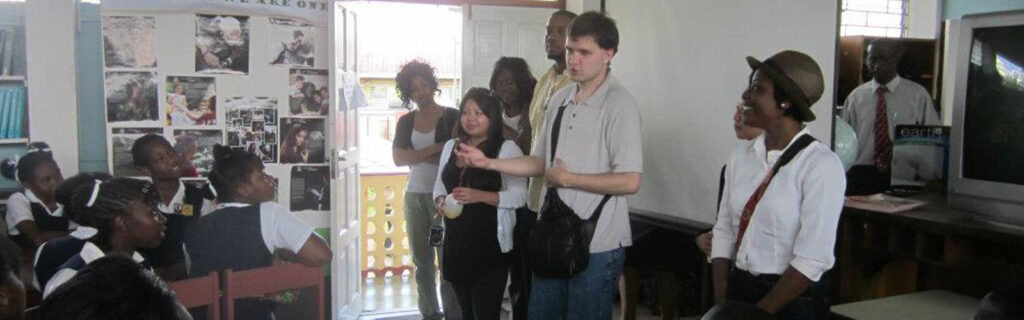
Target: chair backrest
276, 278
202, 291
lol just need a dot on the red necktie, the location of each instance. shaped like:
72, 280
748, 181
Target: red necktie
883, 145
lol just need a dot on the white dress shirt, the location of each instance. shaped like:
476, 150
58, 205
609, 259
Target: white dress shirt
511, 196
19, 208
90, 252
795, 223
905, 103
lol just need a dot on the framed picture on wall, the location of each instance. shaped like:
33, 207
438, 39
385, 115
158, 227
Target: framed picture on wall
304, 140
191, 101
310, 188
308, 92
129, 42
292, 43
195, 149
222, 44
121, 140
250, 127
131, 96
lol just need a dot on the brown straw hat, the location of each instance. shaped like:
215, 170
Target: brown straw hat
798, 75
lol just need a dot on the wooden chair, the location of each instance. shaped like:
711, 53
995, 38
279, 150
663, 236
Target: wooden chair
277, 278
197, 292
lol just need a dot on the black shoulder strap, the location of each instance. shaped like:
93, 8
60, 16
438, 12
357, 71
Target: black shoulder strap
790, 153
555, 128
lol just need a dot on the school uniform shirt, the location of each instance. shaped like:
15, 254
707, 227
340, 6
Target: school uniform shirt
906, 103
54, 252
795, 222
598, 135
278, 227
89, 253
511, 196
25, 205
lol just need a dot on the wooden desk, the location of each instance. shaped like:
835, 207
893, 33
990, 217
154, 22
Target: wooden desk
943, 247
930, 305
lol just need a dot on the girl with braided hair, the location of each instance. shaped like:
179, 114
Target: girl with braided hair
123, 211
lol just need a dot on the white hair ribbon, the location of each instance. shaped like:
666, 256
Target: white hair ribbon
95, 193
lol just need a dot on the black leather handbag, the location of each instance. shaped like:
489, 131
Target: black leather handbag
559, 243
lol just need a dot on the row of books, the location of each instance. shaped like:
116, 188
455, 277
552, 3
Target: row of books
12, 111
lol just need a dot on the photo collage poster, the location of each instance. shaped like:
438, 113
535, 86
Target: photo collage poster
211, 92
252, 126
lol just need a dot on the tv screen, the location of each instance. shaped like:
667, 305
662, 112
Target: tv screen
993, 134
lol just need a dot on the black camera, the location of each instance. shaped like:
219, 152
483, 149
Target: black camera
436, 236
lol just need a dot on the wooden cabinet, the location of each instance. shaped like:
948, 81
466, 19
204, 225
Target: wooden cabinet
920, 64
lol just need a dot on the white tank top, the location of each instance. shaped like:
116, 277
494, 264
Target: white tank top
422, 175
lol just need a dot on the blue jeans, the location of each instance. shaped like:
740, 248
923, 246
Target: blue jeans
588, 295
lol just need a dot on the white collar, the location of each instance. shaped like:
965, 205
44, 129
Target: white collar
891, 86
759, 148
233, 205
84, 232
33, 198
176, 202
92, 252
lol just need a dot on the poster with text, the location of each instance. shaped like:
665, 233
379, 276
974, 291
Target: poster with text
129, 42
310, 188
222, 44
191, 101
303, 141
131, 96
308, 92
252, 126
195, 149
121, 140
291, 43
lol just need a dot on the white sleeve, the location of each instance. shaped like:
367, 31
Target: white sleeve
281, 229
58, 279
513, 189
446, 152
820, 208
18, 210
723, 236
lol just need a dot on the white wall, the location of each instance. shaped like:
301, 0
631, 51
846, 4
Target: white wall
923, 18
52, 103
684, 63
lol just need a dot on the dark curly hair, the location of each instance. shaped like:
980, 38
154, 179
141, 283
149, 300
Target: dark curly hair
231, 168
66, 192
520, 72
112, 288
140, 148
412, 69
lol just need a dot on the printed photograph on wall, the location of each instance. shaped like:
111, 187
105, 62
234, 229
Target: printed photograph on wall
222, 44
303, 140
310, 188
250, 127
191, 101
121, 140
195, 149
129, 42
291, 43
308, 92
131, 96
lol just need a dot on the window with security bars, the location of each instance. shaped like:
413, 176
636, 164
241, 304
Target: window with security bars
879, 18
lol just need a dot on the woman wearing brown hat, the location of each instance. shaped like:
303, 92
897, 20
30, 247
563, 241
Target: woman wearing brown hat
776, 228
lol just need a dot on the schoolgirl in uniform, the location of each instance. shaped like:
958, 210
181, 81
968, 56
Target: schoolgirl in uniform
180, 203
54, 252
33, 216
246, 229
123, 211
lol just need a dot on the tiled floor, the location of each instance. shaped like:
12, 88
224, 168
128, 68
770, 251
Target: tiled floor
395, 299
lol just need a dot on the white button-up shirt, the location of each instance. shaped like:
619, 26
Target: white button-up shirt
905, 103
795, 223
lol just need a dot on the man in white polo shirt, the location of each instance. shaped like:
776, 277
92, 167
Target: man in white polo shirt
598, 153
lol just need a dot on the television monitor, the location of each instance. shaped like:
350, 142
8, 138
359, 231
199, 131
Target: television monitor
986, 172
